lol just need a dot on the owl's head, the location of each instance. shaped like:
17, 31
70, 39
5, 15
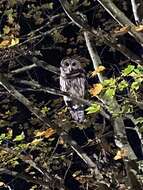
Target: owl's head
70, 66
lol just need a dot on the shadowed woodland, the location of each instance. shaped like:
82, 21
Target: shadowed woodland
41, 146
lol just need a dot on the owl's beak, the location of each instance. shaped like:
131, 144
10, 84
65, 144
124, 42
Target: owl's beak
70, 69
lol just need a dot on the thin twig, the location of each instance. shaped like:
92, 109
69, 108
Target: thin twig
120, 17
24, 176
36, 111
105, 37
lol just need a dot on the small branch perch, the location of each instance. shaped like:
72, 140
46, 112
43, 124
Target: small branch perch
38, 63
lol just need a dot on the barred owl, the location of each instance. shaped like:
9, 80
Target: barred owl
72, 80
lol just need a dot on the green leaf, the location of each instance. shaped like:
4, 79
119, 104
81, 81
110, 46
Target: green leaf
4, 123
10, 18
12, 2
50, 5
45, 110
9, 134
141, 129
122, 85
110, 92
139, 120
2, 136
109, 82
128, 70
6, 29
135, 85
93, 108
19, 137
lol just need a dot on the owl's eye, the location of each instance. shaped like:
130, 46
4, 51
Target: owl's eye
66, 64
73, 64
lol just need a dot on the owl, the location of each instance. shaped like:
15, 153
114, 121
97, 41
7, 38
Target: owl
73, 80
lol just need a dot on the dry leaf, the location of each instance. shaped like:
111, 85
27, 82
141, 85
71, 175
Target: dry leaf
9, 42
14, 41
121, 154
46, 134
98, 70
61, 141
36, 141
49, 132
4, 43
40, 133
139, 28
122, 30
96, 89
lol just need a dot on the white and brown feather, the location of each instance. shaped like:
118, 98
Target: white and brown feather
73, 80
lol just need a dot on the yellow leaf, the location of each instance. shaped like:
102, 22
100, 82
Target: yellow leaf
40, 133
96, 89
6, 29
10, 18
139, 28
4, 43
121, 154
14, 41
49, 132
36, 141
98, 70
46, 134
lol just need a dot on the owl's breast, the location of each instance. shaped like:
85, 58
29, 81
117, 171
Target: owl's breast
76, 87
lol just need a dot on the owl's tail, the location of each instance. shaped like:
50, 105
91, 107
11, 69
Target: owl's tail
77, 113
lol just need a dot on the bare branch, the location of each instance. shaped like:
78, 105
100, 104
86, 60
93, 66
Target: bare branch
118, 122
39, 63
42, 35
137, 7
4, 82
26, 158
120, 17
24, 176
105, 37
23, 69
93, 54
62, 93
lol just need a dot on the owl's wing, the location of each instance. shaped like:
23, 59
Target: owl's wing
77, 88
65, 86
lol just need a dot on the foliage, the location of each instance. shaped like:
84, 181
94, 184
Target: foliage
40, 30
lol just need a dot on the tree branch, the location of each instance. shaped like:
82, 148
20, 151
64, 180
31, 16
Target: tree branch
62, 93
105, 37
118, 123
36, 111
120, 17
38, 63
137, 7
93, 54
24, 176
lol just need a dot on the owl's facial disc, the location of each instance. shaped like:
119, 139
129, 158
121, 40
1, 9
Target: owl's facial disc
70, 66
